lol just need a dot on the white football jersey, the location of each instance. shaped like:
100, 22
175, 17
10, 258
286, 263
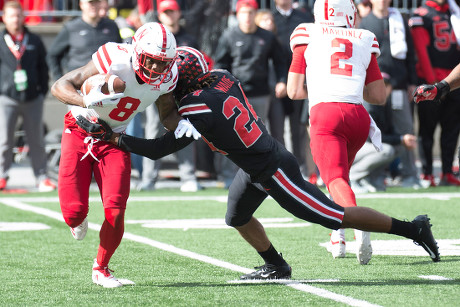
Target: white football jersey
337, 59
116, 59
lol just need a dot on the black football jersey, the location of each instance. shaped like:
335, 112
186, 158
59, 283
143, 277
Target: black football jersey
442, 48
229, 125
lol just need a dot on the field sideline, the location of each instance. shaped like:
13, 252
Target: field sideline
179, 252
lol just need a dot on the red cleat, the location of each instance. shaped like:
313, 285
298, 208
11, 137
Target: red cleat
449, 180
2, 183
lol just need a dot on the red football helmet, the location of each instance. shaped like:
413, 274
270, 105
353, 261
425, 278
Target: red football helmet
154, 45
191, 63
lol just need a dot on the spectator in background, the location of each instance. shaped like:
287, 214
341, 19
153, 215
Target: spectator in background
364, 7
397, 62
368, 172
265, 20
437, 28
80, 38
245, 51
169, 14
286, 20
24, 77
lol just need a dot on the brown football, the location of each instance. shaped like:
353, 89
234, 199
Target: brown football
110, 84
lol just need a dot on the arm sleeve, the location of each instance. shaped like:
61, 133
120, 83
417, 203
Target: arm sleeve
153, 148
298, 64
57, 52
373, 71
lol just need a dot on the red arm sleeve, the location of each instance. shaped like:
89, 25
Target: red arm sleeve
424, 68
373, 71
298, 64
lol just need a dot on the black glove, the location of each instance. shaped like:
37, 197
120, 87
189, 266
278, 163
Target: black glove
431, 92
99, 130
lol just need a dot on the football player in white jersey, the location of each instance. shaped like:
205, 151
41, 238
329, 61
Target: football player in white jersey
149, 70
335, 66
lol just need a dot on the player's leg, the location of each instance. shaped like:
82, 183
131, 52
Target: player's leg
74, 181
112, 175
8, 119
243, 200
307, 202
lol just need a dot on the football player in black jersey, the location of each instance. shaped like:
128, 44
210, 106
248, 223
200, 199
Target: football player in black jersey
216, 105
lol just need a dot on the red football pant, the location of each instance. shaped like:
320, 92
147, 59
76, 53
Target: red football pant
112, 174
337, 132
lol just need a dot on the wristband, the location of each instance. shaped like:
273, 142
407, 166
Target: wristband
443, 88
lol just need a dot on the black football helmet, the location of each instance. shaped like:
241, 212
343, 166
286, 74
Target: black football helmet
190, 63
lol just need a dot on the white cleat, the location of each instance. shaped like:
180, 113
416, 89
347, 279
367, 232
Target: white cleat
337, 244
102, 276
363, 246
79, 232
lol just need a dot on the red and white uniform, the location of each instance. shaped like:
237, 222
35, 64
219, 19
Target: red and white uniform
116, 59
337, 62
83, 156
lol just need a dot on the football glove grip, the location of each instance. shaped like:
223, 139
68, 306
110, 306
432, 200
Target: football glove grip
96, 98
431, 92
185, 127
99, 130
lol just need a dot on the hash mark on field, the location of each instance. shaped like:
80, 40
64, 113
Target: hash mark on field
434, 277
203, 258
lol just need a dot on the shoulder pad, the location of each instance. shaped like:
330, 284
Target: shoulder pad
300, 35
109, 52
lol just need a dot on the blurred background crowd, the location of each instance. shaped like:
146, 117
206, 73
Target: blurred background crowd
418, 44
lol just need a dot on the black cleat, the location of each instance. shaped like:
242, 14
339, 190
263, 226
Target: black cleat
425, 237
269, 271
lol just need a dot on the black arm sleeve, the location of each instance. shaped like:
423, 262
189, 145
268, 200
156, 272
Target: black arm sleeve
153, 148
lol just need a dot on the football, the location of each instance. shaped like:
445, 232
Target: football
111, 84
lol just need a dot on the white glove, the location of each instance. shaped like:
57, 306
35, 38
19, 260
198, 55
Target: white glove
96, 98
186, 127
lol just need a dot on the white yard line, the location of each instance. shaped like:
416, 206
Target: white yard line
15, 203
223, 198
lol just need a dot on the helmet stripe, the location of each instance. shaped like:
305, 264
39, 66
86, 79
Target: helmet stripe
326, 8
163, 31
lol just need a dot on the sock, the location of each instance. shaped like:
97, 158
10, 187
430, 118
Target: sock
402, 228
341, 193
271, 256
110, 235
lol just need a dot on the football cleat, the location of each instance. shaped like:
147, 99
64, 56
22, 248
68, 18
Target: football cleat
337, 244
363, 246
46, 186
425, 237
449, 180
79, 232
102, 276
3, 183
269, 271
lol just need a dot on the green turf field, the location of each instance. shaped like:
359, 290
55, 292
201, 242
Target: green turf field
178, 252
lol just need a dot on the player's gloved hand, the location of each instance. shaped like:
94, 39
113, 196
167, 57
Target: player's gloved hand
99, 130
96, 98
431, 92
186, 127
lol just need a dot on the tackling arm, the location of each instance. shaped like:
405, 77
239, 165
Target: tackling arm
167, 110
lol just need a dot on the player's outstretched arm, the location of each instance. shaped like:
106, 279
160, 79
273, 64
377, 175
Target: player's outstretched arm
296, 87
375, 92
434, 92
66, 88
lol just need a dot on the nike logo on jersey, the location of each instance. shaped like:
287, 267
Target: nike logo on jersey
239, 44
